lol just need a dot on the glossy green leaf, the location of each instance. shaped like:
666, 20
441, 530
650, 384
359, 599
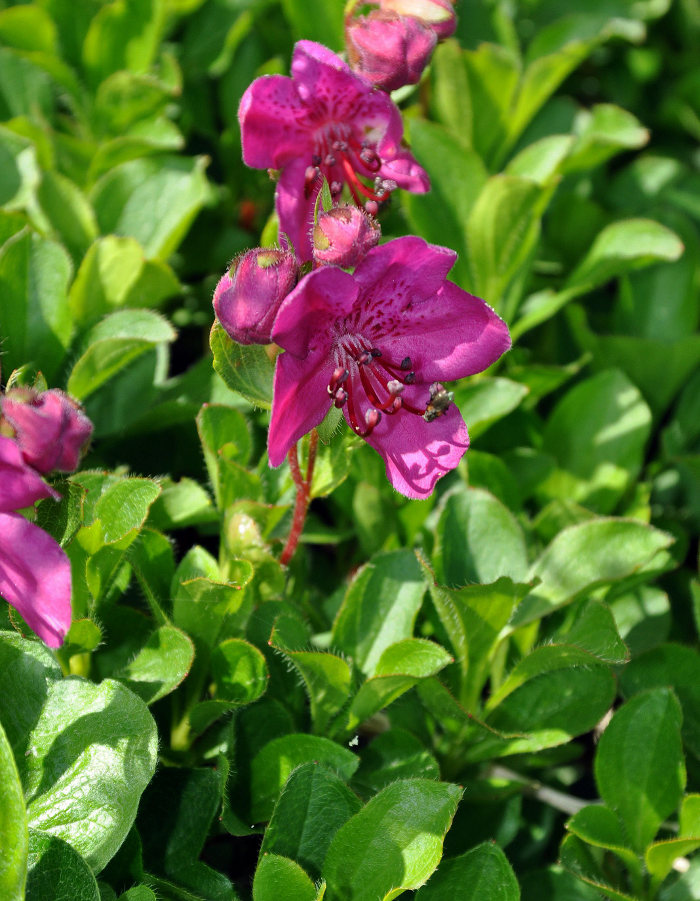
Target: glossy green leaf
595, 631
639, 767
278, 877
601, 133
96, 773
14, 837
575, 855
585, 556
481, 874
160, 665
487, 400
394, 843
392, 755
56, 870
477, 540
379, 608
271, 767
599, 826
123, 35
239, 671
313, 805
316, 20
246, 369
153, 201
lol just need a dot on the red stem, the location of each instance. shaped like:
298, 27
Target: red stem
303, 495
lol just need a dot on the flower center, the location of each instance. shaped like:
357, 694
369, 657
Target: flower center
344, 160
365, 378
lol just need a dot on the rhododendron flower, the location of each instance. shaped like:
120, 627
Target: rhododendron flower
35, 574
50, 428
388, 49
343, 235
378, 343
247, 298
325, 120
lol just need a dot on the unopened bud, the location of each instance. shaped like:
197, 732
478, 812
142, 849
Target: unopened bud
247, 298
437, 14
389, 50
343, 235
50, 428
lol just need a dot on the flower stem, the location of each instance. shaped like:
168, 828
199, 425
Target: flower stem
303, 495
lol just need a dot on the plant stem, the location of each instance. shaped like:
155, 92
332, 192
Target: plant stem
303, 495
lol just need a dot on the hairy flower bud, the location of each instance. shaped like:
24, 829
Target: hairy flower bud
388, 49
343, 236
247, 298
438, 14
50, 428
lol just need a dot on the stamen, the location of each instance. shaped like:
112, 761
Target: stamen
406, 363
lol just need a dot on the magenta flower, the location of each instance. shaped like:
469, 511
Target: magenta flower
389, 50
438, 14
324, 119
379, 343
50, 428
35, 574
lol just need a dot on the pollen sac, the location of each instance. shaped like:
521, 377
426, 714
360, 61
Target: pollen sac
247, 298
343, 236
439, 402
388, 49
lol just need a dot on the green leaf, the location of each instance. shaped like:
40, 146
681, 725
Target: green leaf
599, 826
576, 856
639, 766
62, 519
394, 843
451, 97
622, 247
271, 767
68, 211
671, 665
392, 755
35, 322
661, 856
477, 539
114, 274
595, 631
160, 665
123, 35
379, 608
95, 772
113, 344
246, 369
56, 870
493, 73
316, 20
28, 28
611, 412
278, 877
239, 671
601, 133
585, 556
14, 837
225, 438
541, 160
487, 400
314, 804
152, 200
502, 230
482, 874
118, 513
181, 504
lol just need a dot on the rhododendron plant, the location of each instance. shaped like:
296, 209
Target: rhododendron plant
324, 121
378, 343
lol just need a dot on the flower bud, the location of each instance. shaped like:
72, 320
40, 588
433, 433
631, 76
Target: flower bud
388, 49
247, 298
343, 235
437, 14
50, 428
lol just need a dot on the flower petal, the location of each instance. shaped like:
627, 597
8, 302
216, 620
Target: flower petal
35, 578
401, 167
274, 129
295, 208
449, 336
417, 453
397, 274
304, 323
300, 402
20, 485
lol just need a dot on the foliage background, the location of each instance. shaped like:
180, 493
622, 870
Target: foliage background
424, 671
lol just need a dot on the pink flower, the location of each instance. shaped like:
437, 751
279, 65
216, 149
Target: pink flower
50, 428
343, 235
324, 119
247, 298
35, 577
438, 14
388, 49
35, 573
379, 343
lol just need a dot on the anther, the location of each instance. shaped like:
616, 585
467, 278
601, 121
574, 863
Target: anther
371, 207
409, 378
375, 351
406, 363
339, 398
372, 418
365, 357
394, 387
